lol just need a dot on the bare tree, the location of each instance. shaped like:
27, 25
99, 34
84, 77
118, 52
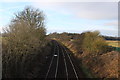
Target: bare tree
33, 17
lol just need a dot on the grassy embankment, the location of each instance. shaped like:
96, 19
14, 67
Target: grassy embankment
93, 66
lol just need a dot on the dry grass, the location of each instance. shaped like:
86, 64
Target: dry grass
113, 43
101, 66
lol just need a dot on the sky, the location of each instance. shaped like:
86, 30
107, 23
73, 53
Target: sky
73, 17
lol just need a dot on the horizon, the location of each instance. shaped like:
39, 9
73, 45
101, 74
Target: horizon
81, 33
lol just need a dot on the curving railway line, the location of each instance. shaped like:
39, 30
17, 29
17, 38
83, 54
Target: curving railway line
62, 65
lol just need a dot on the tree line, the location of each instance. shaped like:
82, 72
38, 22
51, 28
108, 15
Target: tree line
88, 41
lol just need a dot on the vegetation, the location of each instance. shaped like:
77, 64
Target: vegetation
92, 52
94, 43
90, 42
23, 43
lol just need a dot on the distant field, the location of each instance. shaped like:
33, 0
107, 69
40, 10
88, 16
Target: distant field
113, 43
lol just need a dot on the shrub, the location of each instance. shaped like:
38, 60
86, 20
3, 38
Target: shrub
25, 37
93, 42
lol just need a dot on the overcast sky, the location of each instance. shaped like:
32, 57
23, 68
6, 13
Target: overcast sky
75, 17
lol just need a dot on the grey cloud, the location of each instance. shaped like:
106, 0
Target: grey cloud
86, 10
94, 10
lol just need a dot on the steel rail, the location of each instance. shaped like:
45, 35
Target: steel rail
50, 64
57, 62
72, 64
65, 64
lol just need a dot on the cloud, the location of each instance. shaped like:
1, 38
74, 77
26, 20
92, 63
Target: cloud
94, 10
85, 10
100, 11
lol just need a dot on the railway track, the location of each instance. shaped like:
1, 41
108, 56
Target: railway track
53, 67
62, 65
